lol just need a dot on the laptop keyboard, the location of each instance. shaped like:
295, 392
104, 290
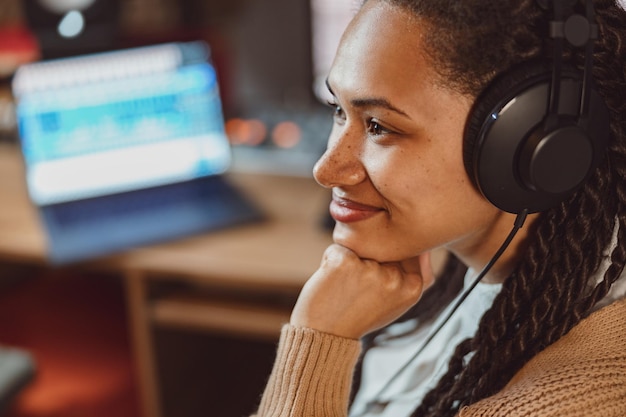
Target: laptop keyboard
213, 192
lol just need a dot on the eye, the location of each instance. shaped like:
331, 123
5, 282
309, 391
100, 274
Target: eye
375, 128
338, 113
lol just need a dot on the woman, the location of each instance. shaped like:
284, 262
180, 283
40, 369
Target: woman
551, 341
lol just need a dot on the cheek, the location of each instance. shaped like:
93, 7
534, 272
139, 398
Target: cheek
430, 193
437, 177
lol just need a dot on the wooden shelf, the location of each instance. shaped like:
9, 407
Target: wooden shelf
242, 319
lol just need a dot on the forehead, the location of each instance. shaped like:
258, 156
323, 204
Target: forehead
382, 47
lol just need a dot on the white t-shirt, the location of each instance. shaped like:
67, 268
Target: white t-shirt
400, 341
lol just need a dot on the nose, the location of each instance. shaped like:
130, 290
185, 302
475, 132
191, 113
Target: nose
341, 164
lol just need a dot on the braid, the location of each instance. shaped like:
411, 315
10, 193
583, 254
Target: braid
551, 288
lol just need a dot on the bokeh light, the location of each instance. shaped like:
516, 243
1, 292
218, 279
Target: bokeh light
251, 132
286, 134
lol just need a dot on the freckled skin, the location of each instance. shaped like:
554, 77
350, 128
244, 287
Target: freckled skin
416, 173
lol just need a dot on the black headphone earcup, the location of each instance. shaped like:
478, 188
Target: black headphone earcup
513, 158
487, 102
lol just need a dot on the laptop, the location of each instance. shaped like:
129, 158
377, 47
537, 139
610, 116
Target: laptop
126, 148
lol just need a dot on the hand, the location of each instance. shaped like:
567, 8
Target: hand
350, 297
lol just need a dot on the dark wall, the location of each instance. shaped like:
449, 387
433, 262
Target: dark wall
270, 52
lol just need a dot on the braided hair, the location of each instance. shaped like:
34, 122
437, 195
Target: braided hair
553, 285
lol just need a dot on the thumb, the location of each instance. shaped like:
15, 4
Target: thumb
426, 269
422, 266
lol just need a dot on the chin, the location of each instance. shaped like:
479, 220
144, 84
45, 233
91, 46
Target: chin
380, 248
364, 248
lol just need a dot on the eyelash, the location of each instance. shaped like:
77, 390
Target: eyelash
373, 127
337, 110
376, 128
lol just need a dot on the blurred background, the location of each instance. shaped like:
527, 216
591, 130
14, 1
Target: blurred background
272, 57
65, 338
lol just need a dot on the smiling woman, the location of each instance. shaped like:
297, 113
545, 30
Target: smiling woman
436, 105
383, 155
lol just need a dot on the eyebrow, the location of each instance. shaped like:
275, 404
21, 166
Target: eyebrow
372, 102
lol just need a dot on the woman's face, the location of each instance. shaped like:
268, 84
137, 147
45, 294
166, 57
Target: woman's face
394, 157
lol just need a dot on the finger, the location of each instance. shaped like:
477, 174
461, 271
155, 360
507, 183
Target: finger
422, 265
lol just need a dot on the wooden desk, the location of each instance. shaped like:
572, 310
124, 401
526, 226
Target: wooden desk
251, 273
21, 236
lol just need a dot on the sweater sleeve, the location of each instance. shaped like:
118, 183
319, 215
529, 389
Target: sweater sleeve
312, 375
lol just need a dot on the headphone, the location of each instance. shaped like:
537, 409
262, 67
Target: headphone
537, 131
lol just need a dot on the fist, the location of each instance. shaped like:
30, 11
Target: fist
350, 297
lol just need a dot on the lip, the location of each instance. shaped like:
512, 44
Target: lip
348, 211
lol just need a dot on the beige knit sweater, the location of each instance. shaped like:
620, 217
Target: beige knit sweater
581, 375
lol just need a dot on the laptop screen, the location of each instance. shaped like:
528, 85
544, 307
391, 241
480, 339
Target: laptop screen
119, 121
